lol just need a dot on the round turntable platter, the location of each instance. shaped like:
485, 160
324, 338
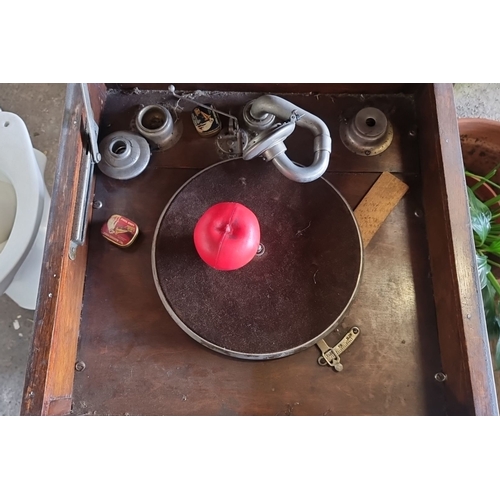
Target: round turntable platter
284, 300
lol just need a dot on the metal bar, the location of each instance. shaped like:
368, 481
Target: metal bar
171, 89
90, 124
79, 230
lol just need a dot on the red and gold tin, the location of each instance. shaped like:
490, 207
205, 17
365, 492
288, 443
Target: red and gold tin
120, 230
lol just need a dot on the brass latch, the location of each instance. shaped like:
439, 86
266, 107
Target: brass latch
331, 355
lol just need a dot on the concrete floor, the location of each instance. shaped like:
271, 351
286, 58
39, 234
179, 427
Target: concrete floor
41, 107
478, 100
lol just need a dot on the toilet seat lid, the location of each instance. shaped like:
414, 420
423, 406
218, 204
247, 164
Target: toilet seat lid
18, 163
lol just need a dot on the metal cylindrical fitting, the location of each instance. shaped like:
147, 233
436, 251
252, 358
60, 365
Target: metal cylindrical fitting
257, 124
367, 133
265, 143
124, 155
369, 124
268, 140
155, 123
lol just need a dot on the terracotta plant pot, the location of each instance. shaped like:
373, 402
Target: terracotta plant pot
480, 140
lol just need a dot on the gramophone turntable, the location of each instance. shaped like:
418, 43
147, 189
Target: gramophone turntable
152, 329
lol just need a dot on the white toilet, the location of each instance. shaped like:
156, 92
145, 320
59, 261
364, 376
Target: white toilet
24, 211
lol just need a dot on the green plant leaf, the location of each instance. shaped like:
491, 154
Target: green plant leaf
494, 247
492, 201
481, 179
483, 268
480, 216
490, 311
494, 282
491, 262
497, 355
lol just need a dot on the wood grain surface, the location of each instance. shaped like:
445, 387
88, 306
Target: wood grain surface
402, 156
138, 361
462, 330
49, 377
323, 88
378, 203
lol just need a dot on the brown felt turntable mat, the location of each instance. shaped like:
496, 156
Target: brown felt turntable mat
281, 302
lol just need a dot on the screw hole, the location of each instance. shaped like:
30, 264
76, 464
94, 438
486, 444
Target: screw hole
370, 122
6, 124
80, 366
119, 147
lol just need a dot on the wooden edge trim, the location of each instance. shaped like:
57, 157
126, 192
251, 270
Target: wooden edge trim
328, 88
50, 373
463, 339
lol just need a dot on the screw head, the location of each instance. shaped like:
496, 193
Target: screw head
80, 366
441, 377
97, 204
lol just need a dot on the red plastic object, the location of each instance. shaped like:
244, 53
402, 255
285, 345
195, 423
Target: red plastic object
227, 236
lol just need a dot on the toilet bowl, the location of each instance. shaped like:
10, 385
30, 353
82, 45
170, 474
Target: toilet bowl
24, 210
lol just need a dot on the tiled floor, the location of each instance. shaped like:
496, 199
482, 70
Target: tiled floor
41, 107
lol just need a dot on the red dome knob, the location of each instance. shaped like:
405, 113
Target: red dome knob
227, 236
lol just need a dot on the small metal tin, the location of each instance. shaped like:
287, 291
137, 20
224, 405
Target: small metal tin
120, 230
206, 121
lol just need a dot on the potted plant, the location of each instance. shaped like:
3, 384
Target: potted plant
480, 140
485, 220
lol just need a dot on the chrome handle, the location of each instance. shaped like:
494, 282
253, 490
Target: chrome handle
79, 229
